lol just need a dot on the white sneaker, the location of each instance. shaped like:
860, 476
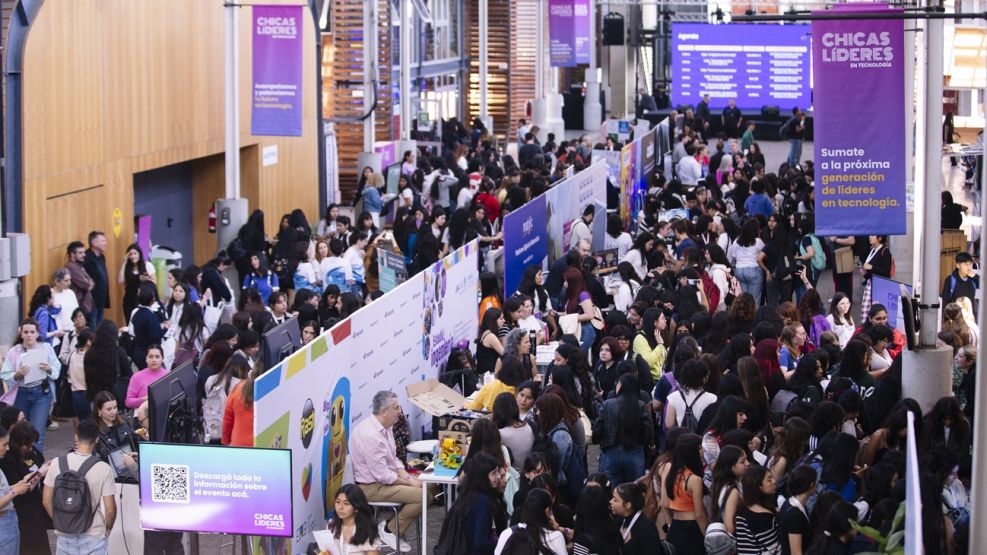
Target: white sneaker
390, 539
53, 426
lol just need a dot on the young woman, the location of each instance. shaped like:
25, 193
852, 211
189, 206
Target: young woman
578, 301
533, 285
637, 256
877, 315
855, 364
789, 447
793, 339
726, 491
80, 322
552, 424
625, 289
146, 326
506, 380
353, 527
327, 225
840, 472
605, 372
29, 368
683, 496
755, 393
133, 272
953, 320
489, 348
22, 460
217, 390
114, 431
490, 296
812, 316
10, 534
527, 392
806, 382
880, 357
730, 415
137, 390
840, 319
310, 330
878, 263
743, 253
766, 355
776, 261
616, 237
260, 278
595, 531
837, 530
308, 274
238, 414
480, 502
691, 395
76, 370
623, 429
757, 520
45, 312
537, 527
515, 434
649, 342
64, 297
639, 534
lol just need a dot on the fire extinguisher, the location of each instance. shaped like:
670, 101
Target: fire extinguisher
212, 218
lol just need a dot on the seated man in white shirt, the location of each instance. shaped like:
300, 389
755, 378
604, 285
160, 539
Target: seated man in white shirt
377, 470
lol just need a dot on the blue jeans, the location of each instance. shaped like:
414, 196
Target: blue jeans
10, 534
751, 281
95, 317
80, 544
36, 406
587, 336
794, 152
622, 465
80, 405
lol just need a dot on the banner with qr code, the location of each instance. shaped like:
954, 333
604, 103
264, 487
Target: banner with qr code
215, 489
310, 401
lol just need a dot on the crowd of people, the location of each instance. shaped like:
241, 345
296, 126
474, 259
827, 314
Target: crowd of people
735, 410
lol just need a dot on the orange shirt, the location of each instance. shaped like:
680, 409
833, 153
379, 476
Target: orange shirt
488, 302
238, 420
682, 500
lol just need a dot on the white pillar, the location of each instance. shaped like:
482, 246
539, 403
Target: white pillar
405, 14
921, 99
592, 110
231, 60
978, 493
369, 72
933, 183
484, 55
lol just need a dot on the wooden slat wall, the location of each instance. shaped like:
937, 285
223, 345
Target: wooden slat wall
498, 64
524, 19
342, 70
146, 91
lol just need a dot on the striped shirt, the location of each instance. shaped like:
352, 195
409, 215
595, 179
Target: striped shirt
757, 533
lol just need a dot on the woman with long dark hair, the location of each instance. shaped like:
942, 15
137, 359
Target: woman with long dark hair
726, 495
489, 348
353, 526
840, 318
479, 502
947, 426
684, 490
743, 253
790, 445
238, 415
145, 323
755, 393
595, 531
45, 312
625, 290
637, 255
536, 533
855, 364
757, 521
837, 530
623, 429
731, 414
553, 425
578, 301
878, 262
22, 460
616, 237
133, 272
639, 534
777, 262
806, 382
812, 316
114, 431
515, 433
840, 473
649, 342
217, 390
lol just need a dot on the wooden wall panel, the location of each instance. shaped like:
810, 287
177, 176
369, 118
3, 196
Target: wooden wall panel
498, 64
524, 20
117, 87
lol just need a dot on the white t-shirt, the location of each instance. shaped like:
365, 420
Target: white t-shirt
843, 331
68, 301
702, 399
579, 231
640, 264
745, 257
100, 481
622, 243
554, 540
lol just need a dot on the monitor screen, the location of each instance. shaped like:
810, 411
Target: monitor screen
215, 489
281, 341
756, 65
177, 386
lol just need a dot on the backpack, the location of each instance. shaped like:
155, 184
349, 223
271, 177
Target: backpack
523, 543
546, 447
452, 538
235, 250
782, 401
71, 502
689, 420
718, 540
818, 260
789, 205
712, 292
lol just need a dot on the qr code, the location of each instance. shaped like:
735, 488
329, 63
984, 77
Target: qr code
169, 483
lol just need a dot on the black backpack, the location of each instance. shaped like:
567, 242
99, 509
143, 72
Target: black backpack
71, 503
452, 538
689, 420
546, 447
522, 542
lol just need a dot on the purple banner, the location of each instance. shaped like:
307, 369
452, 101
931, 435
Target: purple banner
859, 169
525, 241
276, 107
568, 25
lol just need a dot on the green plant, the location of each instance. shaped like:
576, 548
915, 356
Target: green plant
894, 544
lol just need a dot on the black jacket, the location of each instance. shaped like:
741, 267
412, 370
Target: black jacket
644, 538
95, 265
607, 430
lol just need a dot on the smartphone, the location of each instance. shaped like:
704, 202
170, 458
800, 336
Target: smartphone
32, 476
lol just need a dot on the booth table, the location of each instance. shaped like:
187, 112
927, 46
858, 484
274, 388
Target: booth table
449, 483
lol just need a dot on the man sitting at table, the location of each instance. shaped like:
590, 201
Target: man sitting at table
377, 470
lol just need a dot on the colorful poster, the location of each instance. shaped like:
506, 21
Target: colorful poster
525, 242
276, 106
628, 179
860, 176
568, 32
565, 202
209, 488
310, 402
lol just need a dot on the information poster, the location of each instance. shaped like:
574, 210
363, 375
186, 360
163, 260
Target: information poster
767, 67
525, 242
276, 106
393, 272
568, 27
888, 292
859, 68
210, 488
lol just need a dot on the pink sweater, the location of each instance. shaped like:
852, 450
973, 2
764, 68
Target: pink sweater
137, 390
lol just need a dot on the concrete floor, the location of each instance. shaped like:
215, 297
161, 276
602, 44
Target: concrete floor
61, 441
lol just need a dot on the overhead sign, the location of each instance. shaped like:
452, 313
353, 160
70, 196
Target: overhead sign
276, 104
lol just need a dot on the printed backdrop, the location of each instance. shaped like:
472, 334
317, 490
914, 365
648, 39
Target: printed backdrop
310, 401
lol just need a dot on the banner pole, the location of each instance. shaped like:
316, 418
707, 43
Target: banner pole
231, 58
931, 221
978, 489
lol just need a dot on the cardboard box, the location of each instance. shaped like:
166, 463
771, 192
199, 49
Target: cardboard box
844, 260
435, 398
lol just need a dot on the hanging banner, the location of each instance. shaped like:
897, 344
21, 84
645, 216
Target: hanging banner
568, 27
525, 242
565, 202
859, 169
276, 106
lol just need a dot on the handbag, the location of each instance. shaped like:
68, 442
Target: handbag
212, 315
63, 399
597, 321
